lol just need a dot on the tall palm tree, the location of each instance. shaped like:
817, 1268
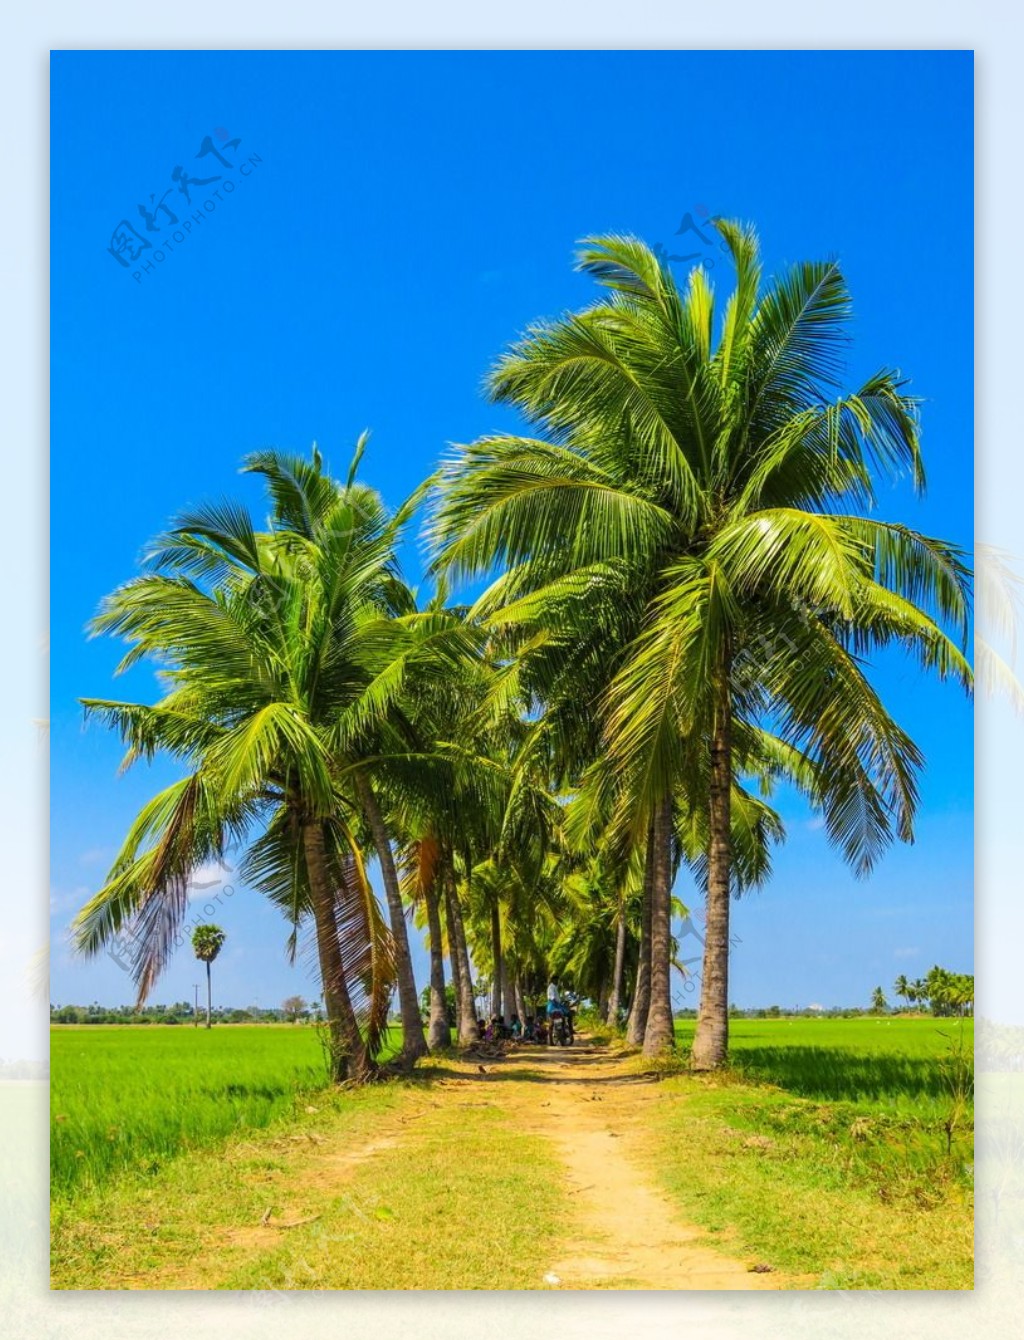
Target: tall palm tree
306, 507
692, 495
207, 942
265, 640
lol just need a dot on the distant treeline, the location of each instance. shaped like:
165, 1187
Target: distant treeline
183, 1013
811, 1012
180, 1013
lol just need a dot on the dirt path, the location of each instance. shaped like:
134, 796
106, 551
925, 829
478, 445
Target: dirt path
625, 1233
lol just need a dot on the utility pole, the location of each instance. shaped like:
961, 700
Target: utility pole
195, 1012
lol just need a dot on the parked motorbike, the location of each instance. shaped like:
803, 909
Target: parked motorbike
560, 1028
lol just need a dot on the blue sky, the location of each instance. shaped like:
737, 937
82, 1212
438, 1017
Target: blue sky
403, 216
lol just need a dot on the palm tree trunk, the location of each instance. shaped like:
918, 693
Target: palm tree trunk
209, 995
496, 958
517, 991
658, 1035
711, 1039
612, 1017
438, 1034
508, 1005
349, 1058
460, 951
637, 1023
454, 958
414, 1044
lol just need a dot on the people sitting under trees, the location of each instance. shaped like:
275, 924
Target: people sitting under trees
535, 1026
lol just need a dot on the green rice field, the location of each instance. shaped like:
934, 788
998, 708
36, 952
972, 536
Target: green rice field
897, 1066
125, 1100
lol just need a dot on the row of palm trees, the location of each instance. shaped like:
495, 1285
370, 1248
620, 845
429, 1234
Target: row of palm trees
944, 991
682, 596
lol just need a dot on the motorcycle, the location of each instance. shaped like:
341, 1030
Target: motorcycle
560, 1030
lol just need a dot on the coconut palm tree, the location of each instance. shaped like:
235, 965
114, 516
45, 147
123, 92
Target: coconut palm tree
917, 991
266, 640
207, 942
306, 506
691, 498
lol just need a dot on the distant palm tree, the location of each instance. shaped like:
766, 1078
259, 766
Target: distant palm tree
878, 1001
207, 942
901, 987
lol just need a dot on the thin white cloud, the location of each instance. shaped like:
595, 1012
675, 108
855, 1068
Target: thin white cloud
94, 856
66, 900
207, 879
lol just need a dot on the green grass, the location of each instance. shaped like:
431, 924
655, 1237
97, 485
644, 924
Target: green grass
826, 1150
890, 1065
182, 1213
125, 1100
400, 1190
458, 1208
